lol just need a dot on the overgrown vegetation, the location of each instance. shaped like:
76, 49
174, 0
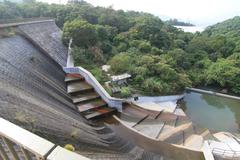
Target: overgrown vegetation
161, 58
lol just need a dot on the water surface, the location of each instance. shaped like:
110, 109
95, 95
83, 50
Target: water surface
191, 29
213, 112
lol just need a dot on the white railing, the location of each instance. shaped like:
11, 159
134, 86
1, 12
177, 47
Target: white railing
89, 78
17, 143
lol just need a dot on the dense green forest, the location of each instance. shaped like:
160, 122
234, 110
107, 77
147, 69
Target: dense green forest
161, 58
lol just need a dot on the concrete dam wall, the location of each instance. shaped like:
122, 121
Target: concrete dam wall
32, 88
33, 93
47, 37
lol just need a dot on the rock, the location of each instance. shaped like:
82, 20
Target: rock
224, 91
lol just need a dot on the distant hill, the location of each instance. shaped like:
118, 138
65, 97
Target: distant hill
175, 22
230, 25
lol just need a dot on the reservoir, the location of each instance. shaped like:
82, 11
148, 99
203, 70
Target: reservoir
213, 112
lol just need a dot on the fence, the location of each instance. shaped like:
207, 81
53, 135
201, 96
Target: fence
19, 144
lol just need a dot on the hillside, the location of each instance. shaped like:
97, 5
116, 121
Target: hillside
230, 25
229, 28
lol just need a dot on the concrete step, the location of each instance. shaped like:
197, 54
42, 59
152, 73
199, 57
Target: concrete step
199, 130
187, 133
159, 114
176, 138
209, 136
168, 118
179, 136
133, 110
181, 120
131, 121
206, 135
83, 97
101, 112
78, 87
91, 105
149, 127
161, 130
194, 142
164, 131
170, 132
179, 112
73, 78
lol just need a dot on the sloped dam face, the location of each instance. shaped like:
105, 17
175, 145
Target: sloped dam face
33, 93
32, 88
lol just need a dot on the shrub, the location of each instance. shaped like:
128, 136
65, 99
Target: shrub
99, 74
125, 92
69, 147
120, 63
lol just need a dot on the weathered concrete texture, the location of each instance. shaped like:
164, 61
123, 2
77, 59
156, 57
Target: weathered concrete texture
33, 92
47, 36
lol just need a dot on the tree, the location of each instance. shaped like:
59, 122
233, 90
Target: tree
145, 47
120, 63
115, 19
83, 33
225, 73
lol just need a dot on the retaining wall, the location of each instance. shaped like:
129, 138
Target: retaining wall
213, 93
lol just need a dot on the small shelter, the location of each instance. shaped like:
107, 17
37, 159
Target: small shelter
120, 79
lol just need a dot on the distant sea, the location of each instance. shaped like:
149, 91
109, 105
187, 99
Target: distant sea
191, 29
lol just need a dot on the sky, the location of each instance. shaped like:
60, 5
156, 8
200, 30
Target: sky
198, 12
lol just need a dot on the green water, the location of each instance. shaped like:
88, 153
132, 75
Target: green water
213, 112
